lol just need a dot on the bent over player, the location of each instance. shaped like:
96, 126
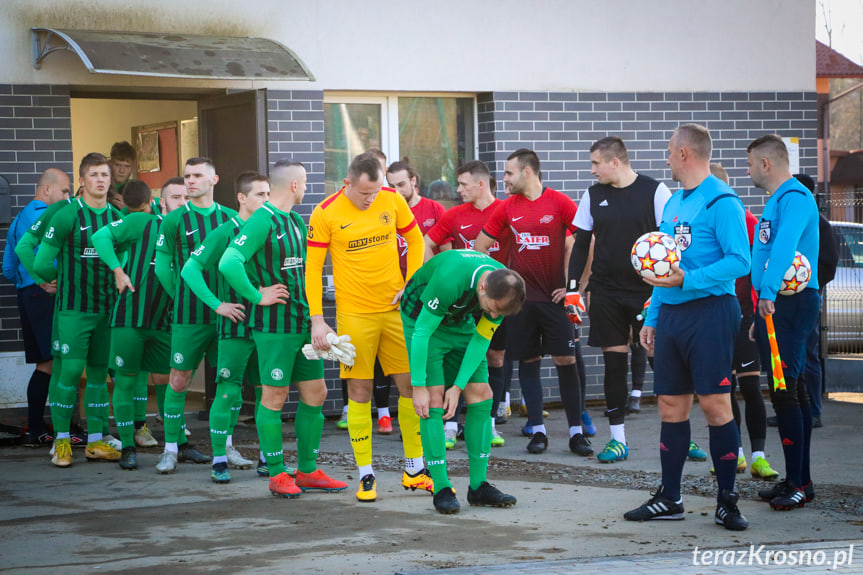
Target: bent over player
447, 350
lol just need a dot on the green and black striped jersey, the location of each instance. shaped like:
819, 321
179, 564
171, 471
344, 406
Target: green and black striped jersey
84, 283
182, 231
40, 226
207, 255
148, 306
273, 244
446, 286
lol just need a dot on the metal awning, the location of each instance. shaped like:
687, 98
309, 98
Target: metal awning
173, 55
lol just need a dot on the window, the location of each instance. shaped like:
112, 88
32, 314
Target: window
436, 133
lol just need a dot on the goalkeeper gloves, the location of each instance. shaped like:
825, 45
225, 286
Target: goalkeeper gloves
574, 307
341, 349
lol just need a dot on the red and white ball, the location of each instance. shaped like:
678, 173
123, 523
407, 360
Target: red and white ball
653, 253
797, 277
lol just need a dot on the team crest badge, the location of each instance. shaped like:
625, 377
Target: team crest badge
118, 361
56, 345
385, 218
683, 236
178, 358
277, 374
64, 349
764, 232
547, 219
224, 373
429, 222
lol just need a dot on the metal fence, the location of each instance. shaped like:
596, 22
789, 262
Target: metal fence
842, 308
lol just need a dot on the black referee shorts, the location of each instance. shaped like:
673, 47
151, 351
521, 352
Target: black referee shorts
36, 307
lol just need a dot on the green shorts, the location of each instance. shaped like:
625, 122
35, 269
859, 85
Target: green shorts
191, 342
445, 354
281, 358
84, 336
135, 349
55, 334
237, 357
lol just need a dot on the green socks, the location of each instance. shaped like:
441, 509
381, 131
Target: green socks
269, 425
175, 405
222, 415
434, 447
477, 439
62, 393
124, 407
308, 425
160, 399
139, 397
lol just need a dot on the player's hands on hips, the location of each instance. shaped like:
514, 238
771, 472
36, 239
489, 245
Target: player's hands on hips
450, 401
574, 307
49, 287
233, 311
766, 307
421, 401
397, 297
276, 293
558, 295
674, 279
647, 336
320, 329
122, 280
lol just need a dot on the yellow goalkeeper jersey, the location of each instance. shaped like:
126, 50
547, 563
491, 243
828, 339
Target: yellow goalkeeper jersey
363, 248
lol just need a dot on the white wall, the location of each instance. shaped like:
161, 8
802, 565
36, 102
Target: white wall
98, 123
458, 45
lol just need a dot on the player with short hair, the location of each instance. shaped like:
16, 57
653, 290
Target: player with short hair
691, 323
447, 355
265, 264
194, 333
536, 219
236, 356
84, 301
140, 324
36, 300
621, 206
789, 223
358, 227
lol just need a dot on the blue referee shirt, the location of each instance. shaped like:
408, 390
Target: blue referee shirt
789, 223
12, 268
709, 225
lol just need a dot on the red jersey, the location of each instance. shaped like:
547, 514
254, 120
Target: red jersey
426, 213
743, 285
537, 233
462, 224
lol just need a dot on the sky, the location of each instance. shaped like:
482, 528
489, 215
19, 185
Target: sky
845, 17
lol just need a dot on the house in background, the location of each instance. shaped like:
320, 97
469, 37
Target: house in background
839, 84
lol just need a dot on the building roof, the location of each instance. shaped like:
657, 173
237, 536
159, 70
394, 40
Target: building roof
831, 64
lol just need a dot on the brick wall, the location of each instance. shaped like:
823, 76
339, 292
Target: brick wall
561, 126
35, 134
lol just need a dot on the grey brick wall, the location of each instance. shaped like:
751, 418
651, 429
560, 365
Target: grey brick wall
35, 134
561, 126
295, 121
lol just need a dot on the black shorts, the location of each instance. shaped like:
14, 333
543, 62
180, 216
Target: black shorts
540, 328
498, 340
613, 317
36, 307
745, 350
694, 346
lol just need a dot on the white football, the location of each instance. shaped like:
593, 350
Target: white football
653, 253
